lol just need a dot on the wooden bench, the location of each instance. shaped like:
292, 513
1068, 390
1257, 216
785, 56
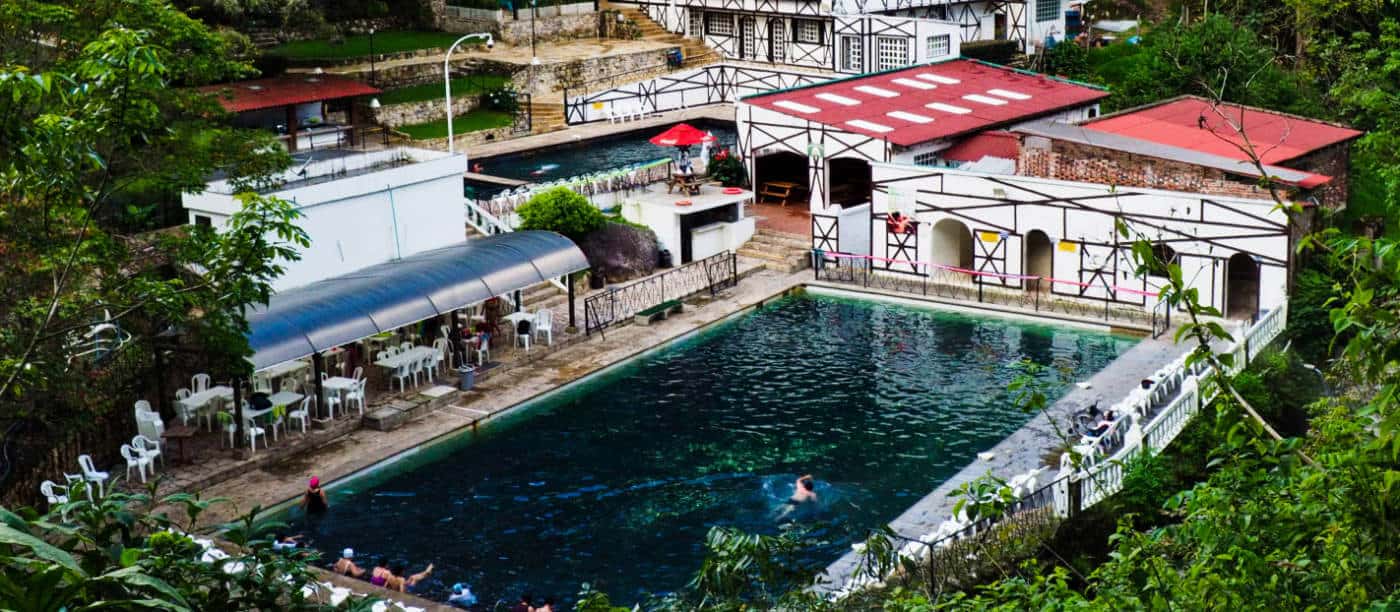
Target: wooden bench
658, 312
776, 192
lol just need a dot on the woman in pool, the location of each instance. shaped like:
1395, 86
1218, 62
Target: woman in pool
397, 581
380, 575
314, 500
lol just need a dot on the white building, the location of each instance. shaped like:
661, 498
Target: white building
855, 36
1234, 251
359, 208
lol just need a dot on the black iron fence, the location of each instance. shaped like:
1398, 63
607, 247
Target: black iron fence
620, 304
1023, 291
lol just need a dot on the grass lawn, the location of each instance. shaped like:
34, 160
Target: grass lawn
478, 119
358, 45
433, 91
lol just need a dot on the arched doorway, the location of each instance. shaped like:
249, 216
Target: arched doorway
1163, 255
952, 244
1241, 287
782, 167
1040, 256
850, 181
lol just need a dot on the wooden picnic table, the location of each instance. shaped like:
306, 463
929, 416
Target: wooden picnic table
180, 433
779, 191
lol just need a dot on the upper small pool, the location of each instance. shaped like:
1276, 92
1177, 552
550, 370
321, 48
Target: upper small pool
615, 480
594, 155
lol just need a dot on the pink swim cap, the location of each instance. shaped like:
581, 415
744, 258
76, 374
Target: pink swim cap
314, 482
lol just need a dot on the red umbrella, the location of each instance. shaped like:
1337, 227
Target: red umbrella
681, 135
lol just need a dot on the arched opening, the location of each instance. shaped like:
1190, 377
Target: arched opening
781, 168
1040, 256
1162, 256
952, 244
1241, 286
850, 181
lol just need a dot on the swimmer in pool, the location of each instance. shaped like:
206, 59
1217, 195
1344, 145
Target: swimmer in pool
803, 491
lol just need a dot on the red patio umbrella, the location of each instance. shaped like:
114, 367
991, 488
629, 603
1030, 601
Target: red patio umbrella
681, 135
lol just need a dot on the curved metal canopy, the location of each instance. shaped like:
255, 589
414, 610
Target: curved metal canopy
337, 311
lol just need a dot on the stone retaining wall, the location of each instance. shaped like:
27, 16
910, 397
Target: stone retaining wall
466, 140
409, 113
558, 76
565, 27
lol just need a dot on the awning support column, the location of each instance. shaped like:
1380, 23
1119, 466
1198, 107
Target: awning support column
318, 366
518, 306
455, 342
237, 412
569, 280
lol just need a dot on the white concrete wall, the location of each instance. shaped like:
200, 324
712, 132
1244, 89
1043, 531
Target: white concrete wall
365, 219
1204, 230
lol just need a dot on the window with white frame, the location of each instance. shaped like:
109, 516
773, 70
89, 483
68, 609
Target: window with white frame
939, 46
697, 23
891, 52
719, 24
1047, 10
808, 31
851, 57
926, 159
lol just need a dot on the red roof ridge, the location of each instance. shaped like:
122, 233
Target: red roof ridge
1260, 109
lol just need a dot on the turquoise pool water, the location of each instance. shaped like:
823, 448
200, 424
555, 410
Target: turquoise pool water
615, 481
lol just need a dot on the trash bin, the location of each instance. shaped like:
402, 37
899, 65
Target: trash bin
663, 258
466, 377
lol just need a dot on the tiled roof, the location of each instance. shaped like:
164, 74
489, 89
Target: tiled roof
987, 144
1189, 122
930, 102
285, 90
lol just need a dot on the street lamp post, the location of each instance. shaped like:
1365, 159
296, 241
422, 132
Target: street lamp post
371, 57
447, 78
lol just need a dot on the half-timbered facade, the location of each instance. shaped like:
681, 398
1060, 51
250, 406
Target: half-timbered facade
1234, 251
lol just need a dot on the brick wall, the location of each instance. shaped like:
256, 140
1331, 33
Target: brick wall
1077, 162
1333, 161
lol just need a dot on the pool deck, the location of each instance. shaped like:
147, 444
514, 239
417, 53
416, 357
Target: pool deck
721, 112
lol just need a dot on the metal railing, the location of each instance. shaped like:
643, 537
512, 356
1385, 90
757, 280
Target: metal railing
1026, 291
619, 304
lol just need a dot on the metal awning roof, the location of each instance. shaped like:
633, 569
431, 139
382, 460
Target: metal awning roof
299, 322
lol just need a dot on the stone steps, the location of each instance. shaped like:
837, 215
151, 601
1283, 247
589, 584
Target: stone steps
780, 252
693, 52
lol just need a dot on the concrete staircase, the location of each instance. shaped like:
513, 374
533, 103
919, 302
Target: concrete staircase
779, 252
546, 117
694, 52
543, 295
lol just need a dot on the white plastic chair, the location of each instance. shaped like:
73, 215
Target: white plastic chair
381, 355
53, 492
402, 374
185, 413
356, 395
151, 449
393, 351
91, 475
440, 347
276, 422
483, 352
143, 406
199, 382
289, 385
414, 369
429, 366
135, 459
544, 325
262, 385
251, 430
405, 347
302, 414
359, 373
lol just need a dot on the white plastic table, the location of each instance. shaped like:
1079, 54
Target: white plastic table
199, 401
417, 353
339, 384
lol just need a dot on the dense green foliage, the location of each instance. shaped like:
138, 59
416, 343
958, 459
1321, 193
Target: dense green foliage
120, 553
561, 210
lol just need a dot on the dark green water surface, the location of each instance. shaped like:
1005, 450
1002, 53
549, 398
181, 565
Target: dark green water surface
616, 480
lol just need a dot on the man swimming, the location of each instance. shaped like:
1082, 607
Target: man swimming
804, 490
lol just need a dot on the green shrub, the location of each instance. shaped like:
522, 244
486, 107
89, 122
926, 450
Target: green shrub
501, 99
561, 210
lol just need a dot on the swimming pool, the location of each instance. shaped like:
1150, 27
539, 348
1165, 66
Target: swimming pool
615, 481
594, 155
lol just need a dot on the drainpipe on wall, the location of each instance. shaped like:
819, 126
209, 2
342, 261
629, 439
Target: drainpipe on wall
394, 215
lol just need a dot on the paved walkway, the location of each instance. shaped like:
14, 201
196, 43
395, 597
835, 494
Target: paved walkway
723, 112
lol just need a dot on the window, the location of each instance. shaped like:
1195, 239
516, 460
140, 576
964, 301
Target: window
808, 31
939, 46
926, 159
697, 23
719, 24
1047, 10
891, 52
1093, 111
851, 57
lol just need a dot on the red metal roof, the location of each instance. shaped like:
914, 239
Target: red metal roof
930, 102
284, 90
1190, 123
995, 144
